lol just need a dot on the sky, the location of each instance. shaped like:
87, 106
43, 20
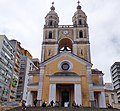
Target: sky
23, 20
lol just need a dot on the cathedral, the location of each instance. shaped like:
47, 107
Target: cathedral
66, 73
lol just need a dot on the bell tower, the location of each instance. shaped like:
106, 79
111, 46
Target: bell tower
81, 34
50, 35
73, 38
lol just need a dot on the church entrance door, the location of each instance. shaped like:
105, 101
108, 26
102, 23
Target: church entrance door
65, 98
65, 94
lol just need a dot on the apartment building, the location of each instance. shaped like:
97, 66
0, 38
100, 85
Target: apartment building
115, 74
16, 70
26, 66
6, 67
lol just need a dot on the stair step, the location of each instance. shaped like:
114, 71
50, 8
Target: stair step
62, 109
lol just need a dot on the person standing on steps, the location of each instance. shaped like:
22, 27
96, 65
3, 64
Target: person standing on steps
35, 102
23, 106
52, 103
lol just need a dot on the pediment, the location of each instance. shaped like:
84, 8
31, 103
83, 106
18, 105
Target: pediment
67, 54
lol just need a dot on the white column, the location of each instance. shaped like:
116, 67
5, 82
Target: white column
88, 53
52, 93
74, 34
102, 102
75, 49
77, 94
56, 49
40, 86
43, 53
75, 45
90, 84
29, 98
56, 36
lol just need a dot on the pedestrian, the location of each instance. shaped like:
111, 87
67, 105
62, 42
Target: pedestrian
23, 106
73, 104
52, 103
44, 104
35, 102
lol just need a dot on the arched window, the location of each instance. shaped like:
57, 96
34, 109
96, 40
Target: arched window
55, 23
75, 23
51, 23
50, 35
80, 34
80, 22
49, 52
81, 52
65, 45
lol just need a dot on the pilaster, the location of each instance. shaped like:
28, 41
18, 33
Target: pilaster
29, 98
90, 84
40, 86
78, 94
102, 102
52, 94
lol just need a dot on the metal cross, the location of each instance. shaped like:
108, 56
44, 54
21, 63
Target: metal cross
52, 3
78, 2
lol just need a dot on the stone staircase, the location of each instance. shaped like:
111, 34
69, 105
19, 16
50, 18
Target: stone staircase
61, 109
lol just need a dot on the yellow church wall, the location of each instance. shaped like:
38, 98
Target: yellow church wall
95, 79
47, 49
84, 50
85, 91
61, 35
35, 79
78, 69
47, 33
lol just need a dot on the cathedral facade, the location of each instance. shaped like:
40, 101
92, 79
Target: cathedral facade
66, 73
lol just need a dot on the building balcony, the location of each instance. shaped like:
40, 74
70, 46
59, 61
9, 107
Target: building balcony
32, 86
32, 73
66, 26
98, 87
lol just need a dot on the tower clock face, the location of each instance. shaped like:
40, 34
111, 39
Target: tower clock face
65, 32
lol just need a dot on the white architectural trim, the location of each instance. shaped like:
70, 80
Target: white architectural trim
98, 87
78, 94
29, 98
74, 34
75, 49
102, 101
56, 35
90, 84
88, 53
55, 49
40, 86
32, 88
63, 61
43, 53
66, 53
44, 35
65, 79
52, 93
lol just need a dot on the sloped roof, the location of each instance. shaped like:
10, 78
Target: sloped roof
69, 54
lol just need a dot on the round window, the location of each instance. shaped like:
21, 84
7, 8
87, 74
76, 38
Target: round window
65, 66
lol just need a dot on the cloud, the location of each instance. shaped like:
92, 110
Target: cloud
24, 20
